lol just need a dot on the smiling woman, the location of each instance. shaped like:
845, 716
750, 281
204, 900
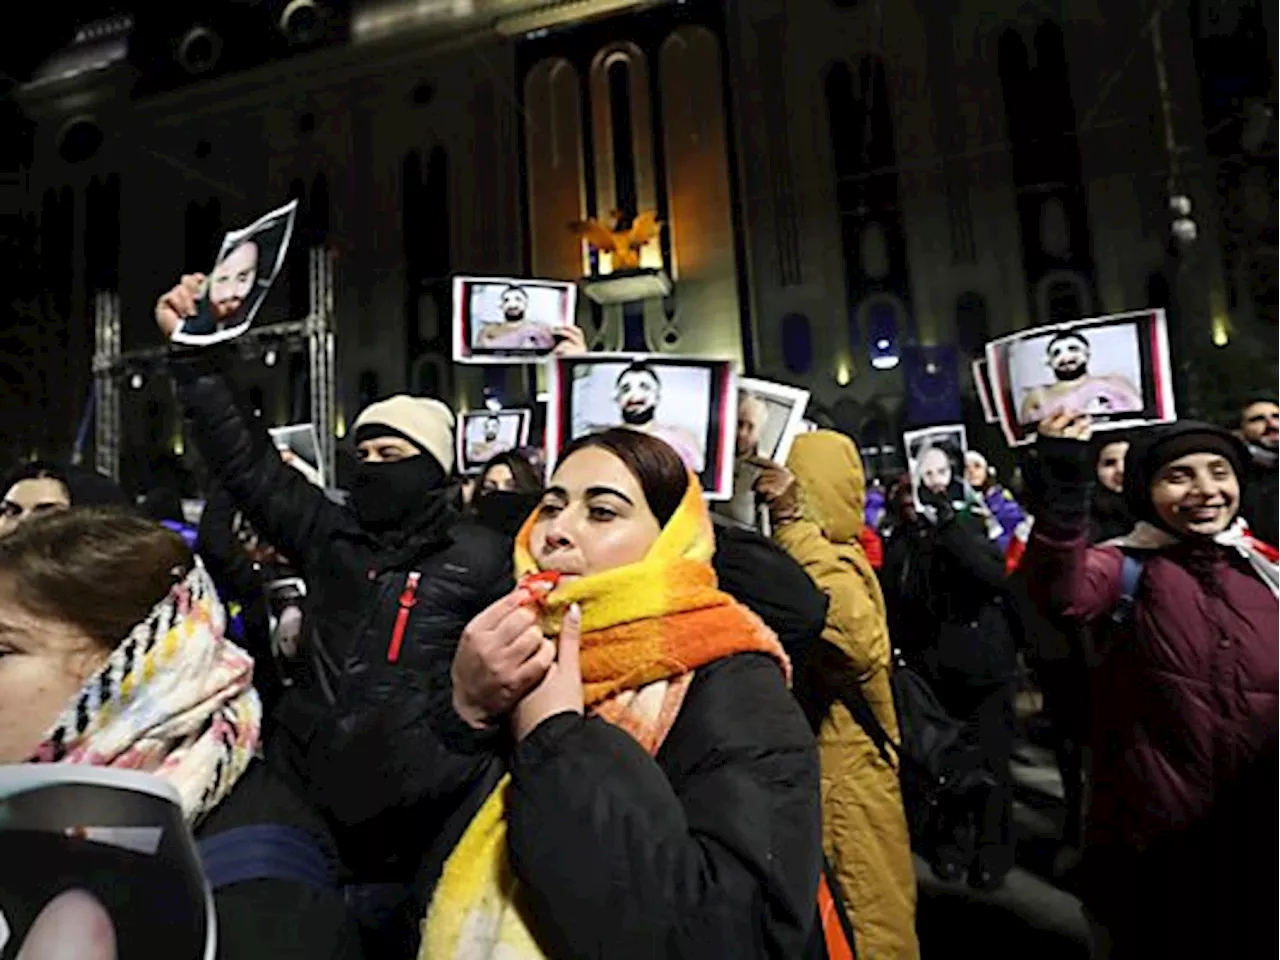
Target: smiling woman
1183, 612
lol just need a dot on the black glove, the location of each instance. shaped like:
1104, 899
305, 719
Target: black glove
938, 503
1060, 478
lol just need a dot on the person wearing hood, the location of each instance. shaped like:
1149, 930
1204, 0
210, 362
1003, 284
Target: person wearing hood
392, 583
1260, 501
1000, 502
40, 487
1181, 829
506, 491
816, 508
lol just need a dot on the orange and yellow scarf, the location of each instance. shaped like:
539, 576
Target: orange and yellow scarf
646, 628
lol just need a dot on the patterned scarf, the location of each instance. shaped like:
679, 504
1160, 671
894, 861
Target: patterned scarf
175, 698
646, 628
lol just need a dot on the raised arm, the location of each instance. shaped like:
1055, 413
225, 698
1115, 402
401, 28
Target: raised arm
290, 513
1064, 575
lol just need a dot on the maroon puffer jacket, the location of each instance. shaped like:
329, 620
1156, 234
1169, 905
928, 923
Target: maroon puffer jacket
1186, 691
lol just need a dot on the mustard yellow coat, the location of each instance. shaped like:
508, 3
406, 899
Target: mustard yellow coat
863, 825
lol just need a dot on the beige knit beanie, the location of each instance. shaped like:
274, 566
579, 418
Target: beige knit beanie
428, 423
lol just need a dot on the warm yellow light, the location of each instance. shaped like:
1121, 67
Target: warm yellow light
340, 428
651, 256
843, 373
178, 446
1221, 331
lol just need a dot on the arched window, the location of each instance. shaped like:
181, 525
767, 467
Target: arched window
797, 343
1063, 297
972, 327
624, 165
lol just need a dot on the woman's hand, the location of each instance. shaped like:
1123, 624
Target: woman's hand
571, 341
501, 656
776, 486
561, 689
1068, 425
178, 304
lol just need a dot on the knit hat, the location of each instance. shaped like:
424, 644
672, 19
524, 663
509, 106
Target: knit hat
428, 424
1152, 449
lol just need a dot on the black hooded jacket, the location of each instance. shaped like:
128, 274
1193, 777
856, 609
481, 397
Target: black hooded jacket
387, 614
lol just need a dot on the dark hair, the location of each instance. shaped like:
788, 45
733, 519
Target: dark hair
661, 473
1254, 402
99, 570
85, 488
639, 366
1068, 335
526, 478
514, 288
34, 470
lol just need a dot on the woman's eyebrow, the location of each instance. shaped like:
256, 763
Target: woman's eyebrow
597, 491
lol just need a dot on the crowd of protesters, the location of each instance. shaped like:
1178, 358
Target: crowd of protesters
588, 717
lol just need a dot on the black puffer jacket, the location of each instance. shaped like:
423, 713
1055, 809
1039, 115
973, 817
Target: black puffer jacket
711, 849
388, 612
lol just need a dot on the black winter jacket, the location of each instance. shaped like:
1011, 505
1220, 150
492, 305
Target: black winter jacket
950, 607
277, 919
387, 616
711, 849
1260, 501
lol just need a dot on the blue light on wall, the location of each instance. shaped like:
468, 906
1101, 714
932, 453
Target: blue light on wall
882, 335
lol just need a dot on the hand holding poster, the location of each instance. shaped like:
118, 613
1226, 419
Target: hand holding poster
505, 320
690, 404
99, 863
770, 415
1114, 368
247, 265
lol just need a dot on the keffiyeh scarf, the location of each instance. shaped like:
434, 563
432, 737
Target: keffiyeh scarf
175, 699
646, 628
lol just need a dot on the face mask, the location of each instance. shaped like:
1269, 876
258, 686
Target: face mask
505, 510
387, 495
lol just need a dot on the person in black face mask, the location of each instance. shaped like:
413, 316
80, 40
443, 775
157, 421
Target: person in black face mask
507, 491
391, 581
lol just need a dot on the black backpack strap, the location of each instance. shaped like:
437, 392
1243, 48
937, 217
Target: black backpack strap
855, 701
265, 851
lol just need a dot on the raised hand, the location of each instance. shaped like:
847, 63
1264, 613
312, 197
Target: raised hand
1068, 425
501, 656
179, 303
561, 689
571, 341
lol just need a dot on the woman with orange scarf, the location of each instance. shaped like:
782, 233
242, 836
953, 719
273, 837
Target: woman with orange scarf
660, 797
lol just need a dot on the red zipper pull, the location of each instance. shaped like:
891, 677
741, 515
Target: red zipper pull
407, 601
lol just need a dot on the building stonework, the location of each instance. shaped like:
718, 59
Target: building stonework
826, 172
